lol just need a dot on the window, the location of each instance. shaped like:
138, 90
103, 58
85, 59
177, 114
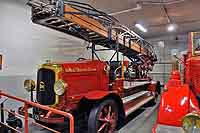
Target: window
196, 43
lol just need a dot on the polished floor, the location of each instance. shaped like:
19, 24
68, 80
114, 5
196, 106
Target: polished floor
141, 121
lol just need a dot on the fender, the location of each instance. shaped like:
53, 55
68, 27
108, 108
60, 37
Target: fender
91, 95
101, 95
98, 94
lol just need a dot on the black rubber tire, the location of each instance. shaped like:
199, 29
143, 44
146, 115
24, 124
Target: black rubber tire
95, 112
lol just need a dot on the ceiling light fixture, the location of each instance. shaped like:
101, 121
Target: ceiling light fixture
140, 27
171, 27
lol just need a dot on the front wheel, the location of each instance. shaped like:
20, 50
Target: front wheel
103, 117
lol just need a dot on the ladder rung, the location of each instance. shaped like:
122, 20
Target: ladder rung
97, 39
94, 36
65, 25
54, 22
92, 33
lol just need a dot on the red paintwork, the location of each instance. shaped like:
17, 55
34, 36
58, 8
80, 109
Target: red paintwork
118, 86
88, 79
52, 120
85, 79
152, 86
174, 102
193, 73
180, 97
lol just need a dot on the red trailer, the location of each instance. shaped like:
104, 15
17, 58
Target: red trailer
179, 106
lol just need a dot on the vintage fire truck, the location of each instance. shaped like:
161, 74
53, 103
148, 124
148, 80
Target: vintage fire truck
99, 94
179, 106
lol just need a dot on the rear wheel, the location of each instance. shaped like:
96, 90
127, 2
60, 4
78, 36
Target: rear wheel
103, 118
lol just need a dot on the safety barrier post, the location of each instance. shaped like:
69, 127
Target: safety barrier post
26, 117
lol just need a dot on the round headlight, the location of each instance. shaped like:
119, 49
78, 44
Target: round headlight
191, 123
59, 87
29, 85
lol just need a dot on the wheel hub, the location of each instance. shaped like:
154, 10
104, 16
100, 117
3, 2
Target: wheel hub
107, 120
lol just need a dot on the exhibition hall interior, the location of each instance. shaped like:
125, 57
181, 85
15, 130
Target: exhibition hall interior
99, 66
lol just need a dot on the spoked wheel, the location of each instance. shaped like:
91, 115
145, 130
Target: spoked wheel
103, 118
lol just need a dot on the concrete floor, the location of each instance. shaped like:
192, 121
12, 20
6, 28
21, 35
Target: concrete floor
141, 121
145, 126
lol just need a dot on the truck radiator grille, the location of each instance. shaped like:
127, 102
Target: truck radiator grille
45, 86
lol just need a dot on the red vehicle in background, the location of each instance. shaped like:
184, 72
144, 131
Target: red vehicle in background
99, 94
179, 106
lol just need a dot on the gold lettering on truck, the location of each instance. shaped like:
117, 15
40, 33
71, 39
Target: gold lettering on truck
77, 69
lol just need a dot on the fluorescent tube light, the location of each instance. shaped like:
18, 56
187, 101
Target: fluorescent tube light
140, 27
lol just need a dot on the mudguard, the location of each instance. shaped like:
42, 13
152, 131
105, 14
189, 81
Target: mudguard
96, 95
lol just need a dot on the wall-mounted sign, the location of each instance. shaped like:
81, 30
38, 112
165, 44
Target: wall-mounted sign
1, 61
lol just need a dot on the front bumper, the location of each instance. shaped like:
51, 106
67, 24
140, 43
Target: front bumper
50, 120
47, 116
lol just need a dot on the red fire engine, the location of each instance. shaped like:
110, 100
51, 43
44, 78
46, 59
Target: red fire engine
99, 93
179, 106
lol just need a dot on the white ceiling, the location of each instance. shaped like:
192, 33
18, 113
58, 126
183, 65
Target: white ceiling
183, 13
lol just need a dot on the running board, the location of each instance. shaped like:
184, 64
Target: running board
133, 84
134, 96
138, 105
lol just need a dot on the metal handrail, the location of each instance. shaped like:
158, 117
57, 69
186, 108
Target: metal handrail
26, 105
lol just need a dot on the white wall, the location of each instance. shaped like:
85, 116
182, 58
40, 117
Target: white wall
25, 45
162, 71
